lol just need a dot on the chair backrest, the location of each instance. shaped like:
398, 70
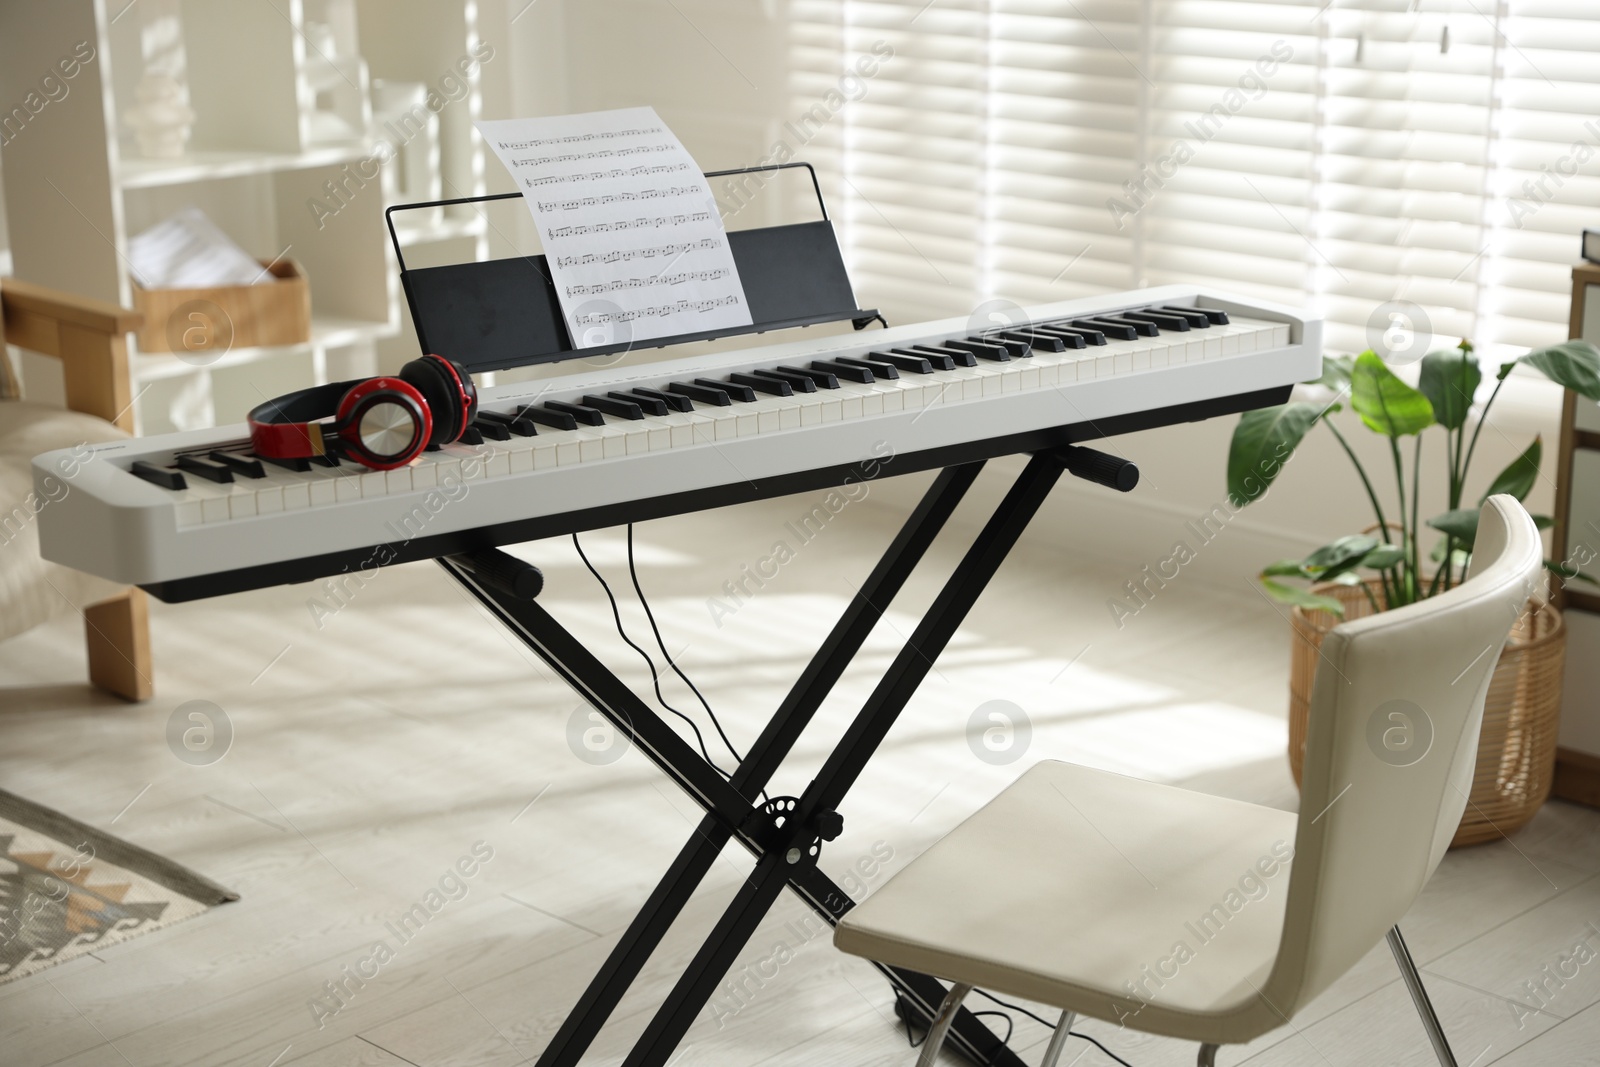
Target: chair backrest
1390, 751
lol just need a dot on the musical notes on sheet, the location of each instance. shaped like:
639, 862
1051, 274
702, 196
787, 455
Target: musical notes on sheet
632, 235
675, 278
655, 223
680, 307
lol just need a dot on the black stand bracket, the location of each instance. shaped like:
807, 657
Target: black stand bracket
784, 834
502, 313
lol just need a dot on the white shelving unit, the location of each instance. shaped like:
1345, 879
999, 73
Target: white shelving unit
283, 93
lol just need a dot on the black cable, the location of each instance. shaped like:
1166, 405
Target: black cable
662, 645
905, 1017
1051, 1025
655, 678
1010, 1024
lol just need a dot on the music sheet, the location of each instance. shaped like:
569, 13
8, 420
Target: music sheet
630, 229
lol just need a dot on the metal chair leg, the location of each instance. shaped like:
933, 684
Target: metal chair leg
1058, 1040
941, 1024
1419, 997
1208, 1056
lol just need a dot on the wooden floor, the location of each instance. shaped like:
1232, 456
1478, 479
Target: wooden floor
375, 744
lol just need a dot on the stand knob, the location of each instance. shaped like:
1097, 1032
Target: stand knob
829, 824
1114, 472
514, 577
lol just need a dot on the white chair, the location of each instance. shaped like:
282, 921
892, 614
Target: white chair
1212, 920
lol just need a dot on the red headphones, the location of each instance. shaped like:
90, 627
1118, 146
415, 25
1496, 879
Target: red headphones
381, 423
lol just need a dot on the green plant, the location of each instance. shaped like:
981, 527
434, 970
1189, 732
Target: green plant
1444, 396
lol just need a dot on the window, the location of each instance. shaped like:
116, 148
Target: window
1359, 158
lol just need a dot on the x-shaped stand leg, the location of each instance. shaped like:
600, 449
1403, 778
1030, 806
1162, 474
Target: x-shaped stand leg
785, 854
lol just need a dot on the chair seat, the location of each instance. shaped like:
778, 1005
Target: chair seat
33, 591
1110, 896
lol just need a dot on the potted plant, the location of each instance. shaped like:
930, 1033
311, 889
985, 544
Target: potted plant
1387, 566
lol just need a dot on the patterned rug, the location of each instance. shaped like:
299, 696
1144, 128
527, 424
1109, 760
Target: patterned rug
67, 889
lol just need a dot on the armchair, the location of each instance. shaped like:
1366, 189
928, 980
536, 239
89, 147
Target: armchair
89, 337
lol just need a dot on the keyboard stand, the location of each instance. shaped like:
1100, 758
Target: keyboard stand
786, 834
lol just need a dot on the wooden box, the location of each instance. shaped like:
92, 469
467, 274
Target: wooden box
209, 322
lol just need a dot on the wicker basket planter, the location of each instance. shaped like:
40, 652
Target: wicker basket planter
1517, 748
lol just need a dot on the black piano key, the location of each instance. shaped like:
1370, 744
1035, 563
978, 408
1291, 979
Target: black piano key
821, 378
298, 464
513, 421
1003, 339
936, 360
165, 477
1193, 317
1112, 328
742, 393
248, 466
1141, 327
1176, 323
329, 459
911, 364
878, 367
762, 384
849, 373
586, 415
672, 400
556, 420
960, 356
1214, 316
470, 435
695, 391
983, 350
1044, 342
797, 381
205, 468
1068, 338
648, 404
491, 428
1093, 337
622, 409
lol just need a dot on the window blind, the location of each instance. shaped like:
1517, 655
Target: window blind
1434, 159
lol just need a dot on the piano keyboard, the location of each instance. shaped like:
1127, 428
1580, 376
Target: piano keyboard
159, 509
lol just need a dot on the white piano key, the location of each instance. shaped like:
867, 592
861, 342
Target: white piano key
187, 508
214, 509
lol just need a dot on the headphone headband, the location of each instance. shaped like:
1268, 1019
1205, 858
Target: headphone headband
286, 427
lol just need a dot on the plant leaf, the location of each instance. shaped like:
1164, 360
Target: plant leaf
1518, 478
1383, 557
1262, 442
1348, 549
1567, 574
1336, 372
1285, 568
1543, 522
1385, 403
1301, 598
1461, 523
1573, 364
1449, 379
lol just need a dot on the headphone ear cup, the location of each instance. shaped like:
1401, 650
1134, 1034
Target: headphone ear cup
443, 395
